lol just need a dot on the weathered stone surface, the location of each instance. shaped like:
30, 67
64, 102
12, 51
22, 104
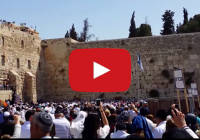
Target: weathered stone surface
166, 52
19, 47
5, 95
47, 79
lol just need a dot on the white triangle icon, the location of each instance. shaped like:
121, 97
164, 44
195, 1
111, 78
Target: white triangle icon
99, 70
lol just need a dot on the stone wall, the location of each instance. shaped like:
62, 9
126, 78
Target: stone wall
5, 95
21, 51
39, 70
159, 54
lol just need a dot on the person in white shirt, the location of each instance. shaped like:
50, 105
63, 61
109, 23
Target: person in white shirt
120, 132
62, 125
151, 124
161, 124
25, 128
77, 125
92, 125
132, 112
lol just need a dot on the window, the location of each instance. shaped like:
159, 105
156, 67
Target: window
18, 63
2, 41
29, 64
22, 44
39, 66
3, 60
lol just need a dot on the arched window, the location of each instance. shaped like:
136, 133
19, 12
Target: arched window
29, 64
2, 41
22, 44
39, 65
3, 60
18, 63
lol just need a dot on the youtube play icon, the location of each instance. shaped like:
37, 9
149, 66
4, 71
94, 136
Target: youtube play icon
100, 70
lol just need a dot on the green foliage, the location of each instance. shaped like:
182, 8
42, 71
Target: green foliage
192, 26
165, 73
144, 30
67, 35
132, 29
73, 33
185, 15
168, 25
154, 93
84, 35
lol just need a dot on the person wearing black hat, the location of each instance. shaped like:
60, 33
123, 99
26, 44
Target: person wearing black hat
160, 117
41, 125
121, 126
191, 121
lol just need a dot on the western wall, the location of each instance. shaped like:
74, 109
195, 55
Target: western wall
160, 55
39, 69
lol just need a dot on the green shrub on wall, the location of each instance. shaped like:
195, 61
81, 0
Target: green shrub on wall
154, 93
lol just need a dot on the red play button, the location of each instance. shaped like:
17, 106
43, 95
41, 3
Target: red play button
100, 70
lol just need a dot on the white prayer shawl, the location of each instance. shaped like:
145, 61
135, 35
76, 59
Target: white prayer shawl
119, 134
77, 125
62, 127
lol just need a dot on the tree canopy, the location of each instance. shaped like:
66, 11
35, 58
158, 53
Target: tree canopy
168, 23
132, 29
84, 35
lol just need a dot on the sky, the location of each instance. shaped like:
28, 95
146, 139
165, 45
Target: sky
109, 19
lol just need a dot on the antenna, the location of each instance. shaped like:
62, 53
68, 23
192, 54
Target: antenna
146, 20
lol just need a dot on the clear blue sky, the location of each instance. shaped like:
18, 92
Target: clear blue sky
110, 19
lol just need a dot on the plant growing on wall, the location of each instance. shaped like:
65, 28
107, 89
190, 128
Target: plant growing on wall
151, 60
165, 73
154, 93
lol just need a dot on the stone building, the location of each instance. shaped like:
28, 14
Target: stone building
19, 62
39, 69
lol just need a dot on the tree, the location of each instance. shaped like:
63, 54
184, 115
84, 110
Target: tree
185, 15
144, 30
67, 35
84, 35
132, 29
192, 25
168, 25
178, 28
73, 33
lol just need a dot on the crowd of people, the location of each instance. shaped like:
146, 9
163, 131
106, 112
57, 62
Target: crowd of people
95, 119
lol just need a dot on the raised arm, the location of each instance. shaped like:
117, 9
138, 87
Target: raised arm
179, 120
103, 116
